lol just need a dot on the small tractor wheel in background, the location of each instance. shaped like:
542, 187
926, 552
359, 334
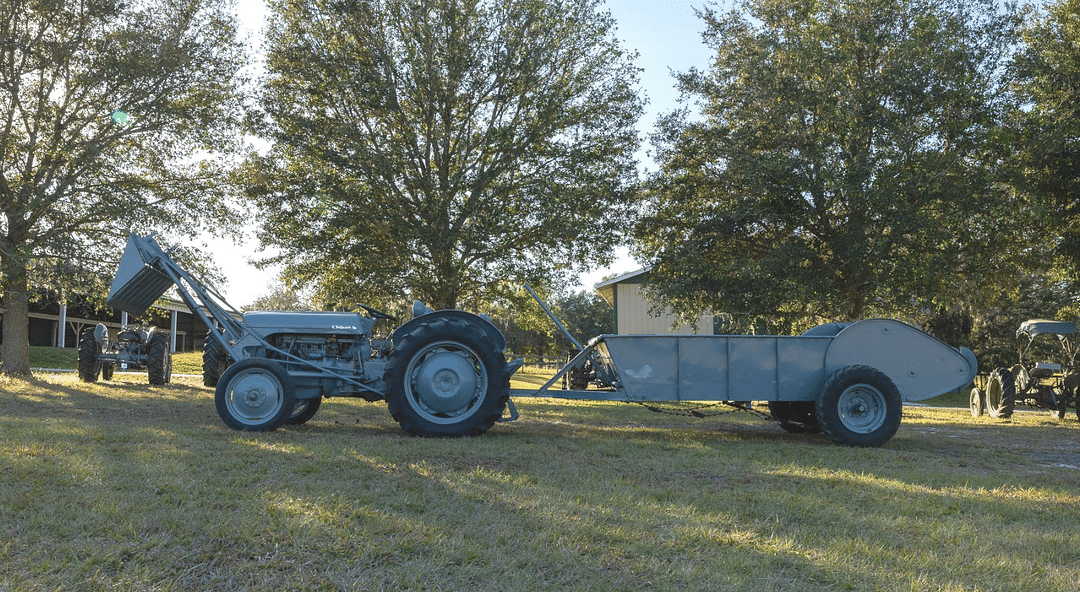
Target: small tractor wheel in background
859, 406
796, 417
159, 359
1000, 393
214, 360
303, 410
1061, 404
256, 395
89, 356
1021, 379
977, 402
446, 379
107, 371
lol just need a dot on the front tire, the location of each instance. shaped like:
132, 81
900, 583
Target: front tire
977, 402
446, 379
255, 395
89, 357
1000, 394
159, 359
859, 406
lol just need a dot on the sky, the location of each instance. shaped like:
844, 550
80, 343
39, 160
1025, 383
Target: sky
667, 37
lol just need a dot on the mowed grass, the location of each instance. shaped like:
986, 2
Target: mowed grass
127, 486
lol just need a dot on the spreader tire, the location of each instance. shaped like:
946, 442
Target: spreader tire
214, 360
446, 378
977, 402
796, 417
303, 410
255, 395
859, 406
1000, 394
89, 356
159, 359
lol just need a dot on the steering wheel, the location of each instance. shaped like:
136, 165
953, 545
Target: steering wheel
375, 314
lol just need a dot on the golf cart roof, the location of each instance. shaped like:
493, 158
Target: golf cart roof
1034, 327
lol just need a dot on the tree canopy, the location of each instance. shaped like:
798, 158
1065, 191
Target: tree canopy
110, 111
841, 165
443, 150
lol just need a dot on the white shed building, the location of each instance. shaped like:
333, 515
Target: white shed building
632, 315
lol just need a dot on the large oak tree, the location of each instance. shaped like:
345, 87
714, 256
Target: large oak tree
109, 112
841, 165
442, 149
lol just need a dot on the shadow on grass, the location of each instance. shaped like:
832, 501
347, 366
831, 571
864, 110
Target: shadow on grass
138, 487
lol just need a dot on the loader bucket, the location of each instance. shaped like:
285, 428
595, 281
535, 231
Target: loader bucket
137, 285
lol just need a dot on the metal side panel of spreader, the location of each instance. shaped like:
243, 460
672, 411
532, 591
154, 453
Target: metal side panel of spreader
714, 367
137, 285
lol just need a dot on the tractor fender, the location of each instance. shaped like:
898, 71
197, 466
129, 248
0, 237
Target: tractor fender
921, 366
101, 335
487, 326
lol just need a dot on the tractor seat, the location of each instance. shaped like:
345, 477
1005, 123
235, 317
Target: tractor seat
1044, 370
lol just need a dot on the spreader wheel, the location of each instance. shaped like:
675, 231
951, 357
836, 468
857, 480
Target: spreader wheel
255, 394
89, 356
859, 406
159, 359
446, 378
977, 402
1000, 393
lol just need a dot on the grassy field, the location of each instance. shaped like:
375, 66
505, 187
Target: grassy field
125, 486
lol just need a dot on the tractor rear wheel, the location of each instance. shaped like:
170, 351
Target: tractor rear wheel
159, 359
859, 406
255, 395
89, 356
1000, 393
446, 379
214, 360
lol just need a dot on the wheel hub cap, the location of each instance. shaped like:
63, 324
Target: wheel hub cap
255, 397
862, 409
446, 382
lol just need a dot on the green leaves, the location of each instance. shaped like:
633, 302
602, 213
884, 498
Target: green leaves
466, 145
113, 116
840, 156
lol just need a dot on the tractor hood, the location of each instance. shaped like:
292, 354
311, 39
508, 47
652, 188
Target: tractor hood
326, 323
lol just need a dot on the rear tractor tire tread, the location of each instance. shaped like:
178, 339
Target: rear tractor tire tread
439, 341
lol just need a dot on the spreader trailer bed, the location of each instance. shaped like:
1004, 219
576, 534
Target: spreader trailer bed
848, 380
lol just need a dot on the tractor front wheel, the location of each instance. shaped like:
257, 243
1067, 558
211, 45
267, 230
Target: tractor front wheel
446, 379
859, 406
255, 395
977, 402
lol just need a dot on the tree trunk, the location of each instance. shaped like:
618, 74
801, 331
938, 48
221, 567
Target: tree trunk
16, 343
